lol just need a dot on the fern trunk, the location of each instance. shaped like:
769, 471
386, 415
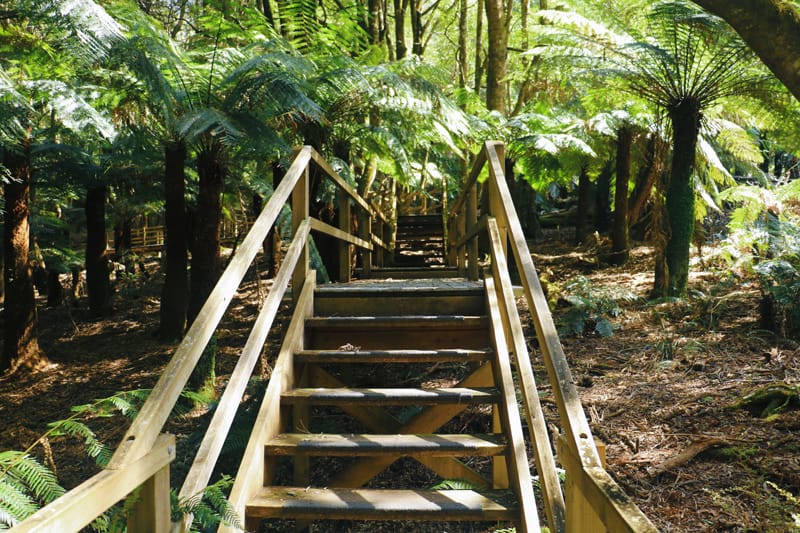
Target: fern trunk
646, 177
175, 292
620, 242
21, 343
206, 264
602, 199
685, 117
98, 284
584, 213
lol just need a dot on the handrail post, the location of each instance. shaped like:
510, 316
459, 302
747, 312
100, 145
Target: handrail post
378, 250
151, 514
472, 221
300, 202
345, 224
365, 232
497, 173
580, 515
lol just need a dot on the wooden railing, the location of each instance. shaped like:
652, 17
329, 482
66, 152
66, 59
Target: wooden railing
593, 500
142, 459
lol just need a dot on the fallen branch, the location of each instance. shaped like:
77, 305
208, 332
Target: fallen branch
686, 455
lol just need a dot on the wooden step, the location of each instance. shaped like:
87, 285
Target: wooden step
391, 356
406, 297
397, 332
381, 504
400, 272
375, 445
391, 396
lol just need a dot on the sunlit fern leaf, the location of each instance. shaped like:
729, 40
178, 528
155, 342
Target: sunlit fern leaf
83, 21
208, 121
209, 507
95, 449
69, 106
454, 484
25, 485
300, 24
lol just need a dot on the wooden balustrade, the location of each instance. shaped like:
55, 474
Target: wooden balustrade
141, 462
594, 501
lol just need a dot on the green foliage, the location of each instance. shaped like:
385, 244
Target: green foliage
25, 485
591, 307
454, 484
210, 508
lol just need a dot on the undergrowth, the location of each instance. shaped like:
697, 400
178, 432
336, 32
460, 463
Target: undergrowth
26, 484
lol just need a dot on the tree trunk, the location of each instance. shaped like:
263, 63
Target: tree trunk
206, 264
603, 199
619, 234
400, 28
772, 30
655, 157
479, 10
416, 28
205, 250
685, 119
21, 343
98, 284
498, 53
463, 68
55, 291
373, 7
585, 206
175, 292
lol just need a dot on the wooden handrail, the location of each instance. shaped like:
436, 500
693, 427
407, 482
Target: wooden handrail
80, 506
592, 484
543, 453
210, 448
142, 458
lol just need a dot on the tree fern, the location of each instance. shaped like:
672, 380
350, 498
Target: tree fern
209, 507
25, 485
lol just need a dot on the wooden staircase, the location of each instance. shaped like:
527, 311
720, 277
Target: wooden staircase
346, 404
386, 394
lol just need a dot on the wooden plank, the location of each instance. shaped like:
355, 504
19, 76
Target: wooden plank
327, 229
476, 229
346, 226
429, 420
472, 220
208, 453
365, 232
300, 211
145, 429
595, 502
80, 506
565, 392
152, 513
472, 179
392, 356
509, 412
390, 396
341, 445
376, 504
269, 421
340, 182
377, 241
537, 426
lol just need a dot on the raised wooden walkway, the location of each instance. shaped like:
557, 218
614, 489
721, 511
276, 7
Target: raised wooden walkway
426, 365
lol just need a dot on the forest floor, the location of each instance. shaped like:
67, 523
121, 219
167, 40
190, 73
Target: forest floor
661, 392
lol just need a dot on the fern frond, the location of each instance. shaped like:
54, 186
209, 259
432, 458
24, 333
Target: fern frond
25, 484
95, 449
